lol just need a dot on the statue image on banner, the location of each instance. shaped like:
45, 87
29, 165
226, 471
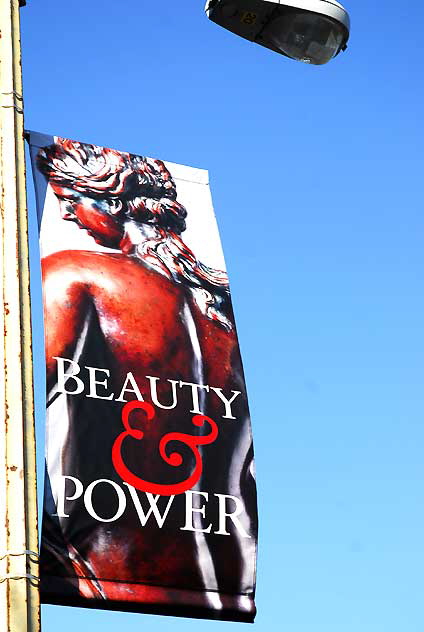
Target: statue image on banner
150, 498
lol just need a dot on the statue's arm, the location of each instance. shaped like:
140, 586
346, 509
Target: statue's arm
66, 305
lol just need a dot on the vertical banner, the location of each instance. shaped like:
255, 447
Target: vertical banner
150, 498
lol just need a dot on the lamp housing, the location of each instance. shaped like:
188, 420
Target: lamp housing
312, 31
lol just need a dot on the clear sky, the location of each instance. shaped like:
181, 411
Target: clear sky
317, 180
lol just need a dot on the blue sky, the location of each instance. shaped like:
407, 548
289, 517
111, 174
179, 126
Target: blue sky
316, 177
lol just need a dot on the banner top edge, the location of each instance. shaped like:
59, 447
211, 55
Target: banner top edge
197, 175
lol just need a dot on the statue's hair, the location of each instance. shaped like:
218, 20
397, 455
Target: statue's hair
147, 194
143, 185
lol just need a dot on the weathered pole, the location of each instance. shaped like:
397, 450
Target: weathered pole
19, 596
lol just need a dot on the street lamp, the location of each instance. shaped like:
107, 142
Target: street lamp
312, 31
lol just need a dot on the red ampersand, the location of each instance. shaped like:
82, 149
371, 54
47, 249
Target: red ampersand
174, 459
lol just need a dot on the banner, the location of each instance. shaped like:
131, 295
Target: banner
150, 498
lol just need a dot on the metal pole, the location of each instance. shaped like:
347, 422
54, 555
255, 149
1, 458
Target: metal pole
19, 597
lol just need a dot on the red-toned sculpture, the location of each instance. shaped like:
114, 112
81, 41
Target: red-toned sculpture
158, 514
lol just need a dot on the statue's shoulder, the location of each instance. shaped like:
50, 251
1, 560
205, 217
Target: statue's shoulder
77, 264
116, 271
83, 260
69, 257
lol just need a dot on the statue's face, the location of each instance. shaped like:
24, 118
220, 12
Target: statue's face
97, 216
